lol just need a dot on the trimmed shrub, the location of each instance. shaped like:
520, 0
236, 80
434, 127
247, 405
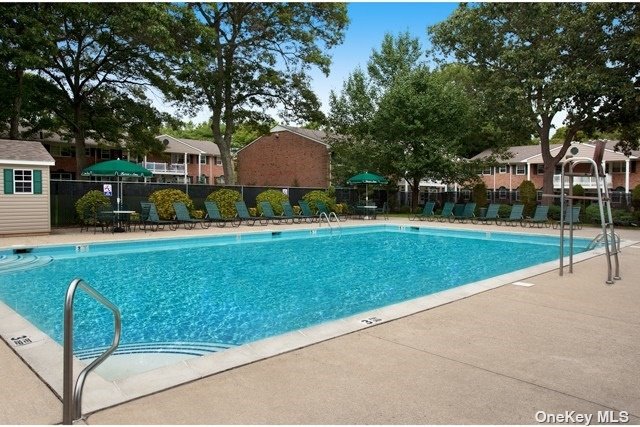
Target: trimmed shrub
164, 200
88, 205
226, 200
592, 214
635, 197
504, 211
554, 212
275, 199
320, 196
528, 197
480, 195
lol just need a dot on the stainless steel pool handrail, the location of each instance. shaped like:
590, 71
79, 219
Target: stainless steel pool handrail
326, 217
72, 396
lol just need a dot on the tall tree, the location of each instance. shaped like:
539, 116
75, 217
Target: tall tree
23, 46
242, 59
421, 121
549, 57
398, 56
104, 55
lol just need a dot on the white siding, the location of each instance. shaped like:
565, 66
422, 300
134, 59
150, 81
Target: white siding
25, 213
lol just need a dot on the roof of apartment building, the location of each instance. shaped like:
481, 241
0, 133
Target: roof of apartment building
13, 151
189, 146
314, 135
531, 153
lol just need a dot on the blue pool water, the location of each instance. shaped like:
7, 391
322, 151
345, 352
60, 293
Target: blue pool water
236, 289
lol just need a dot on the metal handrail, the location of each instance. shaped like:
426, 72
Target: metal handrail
324, 214
334, 215
72, 396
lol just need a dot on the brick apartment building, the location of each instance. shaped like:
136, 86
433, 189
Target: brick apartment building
288, 156
526, 163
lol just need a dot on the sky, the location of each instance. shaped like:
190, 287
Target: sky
369, 23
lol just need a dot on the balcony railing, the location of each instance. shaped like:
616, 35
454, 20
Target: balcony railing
584, 181
164, 168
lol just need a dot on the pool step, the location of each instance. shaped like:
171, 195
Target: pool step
20, 262
187, 348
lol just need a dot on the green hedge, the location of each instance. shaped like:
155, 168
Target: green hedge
320, 196
88, 205
226, 200
164, 200
274, 197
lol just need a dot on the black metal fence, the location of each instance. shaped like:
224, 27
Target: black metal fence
65, 193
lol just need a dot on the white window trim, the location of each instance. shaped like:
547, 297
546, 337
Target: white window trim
524, 169
15, 181
503, 169
489, 169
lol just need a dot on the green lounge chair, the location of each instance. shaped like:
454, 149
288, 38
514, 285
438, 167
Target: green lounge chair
214, 215
575, 213
244, 216
466, 214
515, 217
447, 212
267, 212
540, 217
289, 215
306, 210
490, 215
384, 210
149, 217
427, 213
184, 217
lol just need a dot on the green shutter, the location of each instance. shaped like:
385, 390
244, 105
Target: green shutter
37, 182
8, 181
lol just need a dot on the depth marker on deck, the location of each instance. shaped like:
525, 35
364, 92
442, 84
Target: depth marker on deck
523, 284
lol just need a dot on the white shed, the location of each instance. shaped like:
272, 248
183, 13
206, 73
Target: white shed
24, 188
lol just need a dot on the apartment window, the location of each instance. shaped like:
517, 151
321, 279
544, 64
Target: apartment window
217, 161
87, 152
516, 195
177, 159
521, 169
486, 171
105, 154
540, 169
63, 176
466, 195
539, 195
502, 193
503, 168
203, 160
617, 167
60, 151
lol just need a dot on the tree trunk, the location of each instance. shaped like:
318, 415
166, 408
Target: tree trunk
415, 193
79, 138
14, 127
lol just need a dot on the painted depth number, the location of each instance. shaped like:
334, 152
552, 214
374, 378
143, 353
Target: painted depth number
371, 320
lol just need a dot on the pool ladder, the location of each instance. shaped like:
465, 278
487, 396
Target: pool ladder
327, 218
72, 395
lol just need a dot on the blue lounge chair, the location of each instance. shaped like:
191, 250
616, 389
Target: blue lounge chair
267, 212
306, 210
184, 217
574, 212
214, 215
540, 217
447, 212
490, 215
289, 215
466, 214
149, 217
244, 216
515, 217
427, 213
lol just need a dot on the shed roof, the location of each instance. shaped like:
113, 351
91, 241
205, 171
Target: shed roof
19, 152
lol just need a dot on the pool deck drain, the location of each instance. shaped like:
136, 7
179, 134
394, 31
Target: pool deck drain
497, 357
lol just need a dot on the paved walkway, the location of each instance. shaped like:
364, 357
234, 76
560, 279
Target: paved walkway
564, 344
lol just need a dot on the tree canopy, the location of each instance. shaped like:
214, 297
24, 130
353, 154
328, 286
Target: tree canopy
538, 59
241, 59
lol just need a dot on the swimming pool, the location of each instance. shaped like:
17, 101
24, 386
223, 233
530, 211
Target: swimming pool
195, 296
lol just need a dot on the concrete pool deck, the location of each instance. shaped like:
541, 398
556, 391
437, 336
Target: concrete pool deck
565, 344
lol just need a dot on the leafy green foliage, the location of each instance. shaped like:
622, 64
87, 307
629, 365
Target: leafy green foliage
504, 211
528, 196
320, 196
240, 59
534, 62
275, 199
164, 200
619, 216
480, 194
88, 205
226, 200
635, 197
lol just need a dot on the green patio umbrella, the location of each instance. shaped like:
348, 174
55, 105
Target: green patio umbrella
367, 178
117, 168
